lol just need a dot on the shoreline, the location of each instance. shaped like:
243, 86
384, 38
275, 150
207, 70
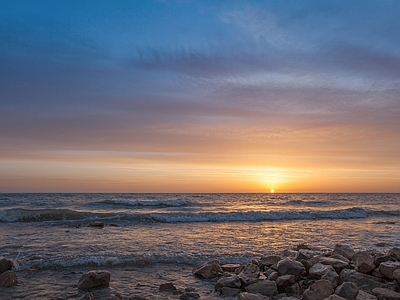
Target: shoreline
294, 273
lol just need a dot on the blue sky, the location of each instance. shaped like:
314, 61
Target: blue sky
197, 95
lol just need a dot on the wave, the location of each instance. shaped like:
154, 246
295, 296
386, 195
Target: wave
146, 203
41, 215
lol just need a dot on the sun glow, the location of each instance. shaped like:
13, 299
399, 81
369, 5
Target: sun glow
272, 191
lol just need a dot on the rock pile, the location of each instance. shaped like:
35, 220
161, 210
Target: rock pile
8, 278
310, 274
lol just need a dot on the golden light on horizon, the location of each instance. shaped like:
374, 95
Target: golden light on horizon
272, 191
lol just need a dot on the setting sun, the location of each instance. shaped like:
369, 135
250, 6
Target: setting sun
272, 191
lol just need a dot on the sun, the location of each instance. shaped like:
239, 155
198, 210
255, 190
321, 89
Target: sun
272, 191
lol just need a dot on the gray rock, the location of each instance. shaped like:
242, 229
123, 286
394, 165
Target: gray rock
347, 290
304, 254
363, 262
285, 280
168, 286
8, 278
288, 266
333, 277
319, 290
233, 282
6, 265
368, 282
251, 296
249, 273
189, 296
263, 287
209, 269
341, 257
395, 253
388, 267
396, 275
344, 250
385, 294
267, 261
230, 267
365, 296
336, 263
318, 270
229, 291
335, 297
273, 276
94, 280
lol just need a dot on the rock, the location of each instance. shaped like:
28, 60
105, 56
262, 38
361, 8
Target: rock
388, 267
319, 290
380, 258
251, 296
6, 265
395, 253
288, 266
285, 280
302, 246
249, 273
363, 262
96, 224
365, 296
94, 280
368, 282
341, 257
333, 277
347, 290
267, 261
230, 267
168, 286
229, 291
344, 250
337, 264
233, 282
8, 278
318, 270
385, 294
273, 276
396, 275
304, 254
287, 298
288, 253
189, 296
209, 269
263, 287
335, 297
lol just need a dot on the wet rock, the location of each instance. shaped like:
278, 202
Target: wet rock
285, 280
96, 224
347, 290
189, 296
363, 262
209, 269
333, 277
318, 270
229, 291
252, 296
302, 246
94, 280
268, 261
368, 282
319, 290
6, 265
263, 287
273, 276
336, 263
365, 296
304, 254
168, 286
233, 282
388, 267
8, 278
385, 294
288, 266
380, 258
230, 267
345, 250
396, 275
395, 253
249, 273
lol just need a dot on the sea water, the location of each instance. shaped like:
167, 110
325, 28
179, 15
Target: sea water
149, 239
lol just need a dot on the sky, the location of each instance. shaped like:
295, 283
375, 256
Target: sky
199, 96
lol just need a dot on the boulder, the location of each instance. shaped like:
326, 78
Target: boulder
96, 224
288, 266
267, 261
336, 263
207, 270
347, 290
318, 270
333, 277
273, 276
249, 273
6, 265
385, 294
363, 262
251, 296
319, 290
188, 296
229, 291
233, 282
388, 267
304, 254
8, 278
395, 253
230, 267
396, 275
341, 257
168, 286
263, 287
368, 282
285, 280
335, 297
365, 296
344, 250
94, 280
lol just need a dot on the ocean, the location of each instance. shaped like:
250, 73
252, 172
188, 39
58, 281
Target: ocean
149, 239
